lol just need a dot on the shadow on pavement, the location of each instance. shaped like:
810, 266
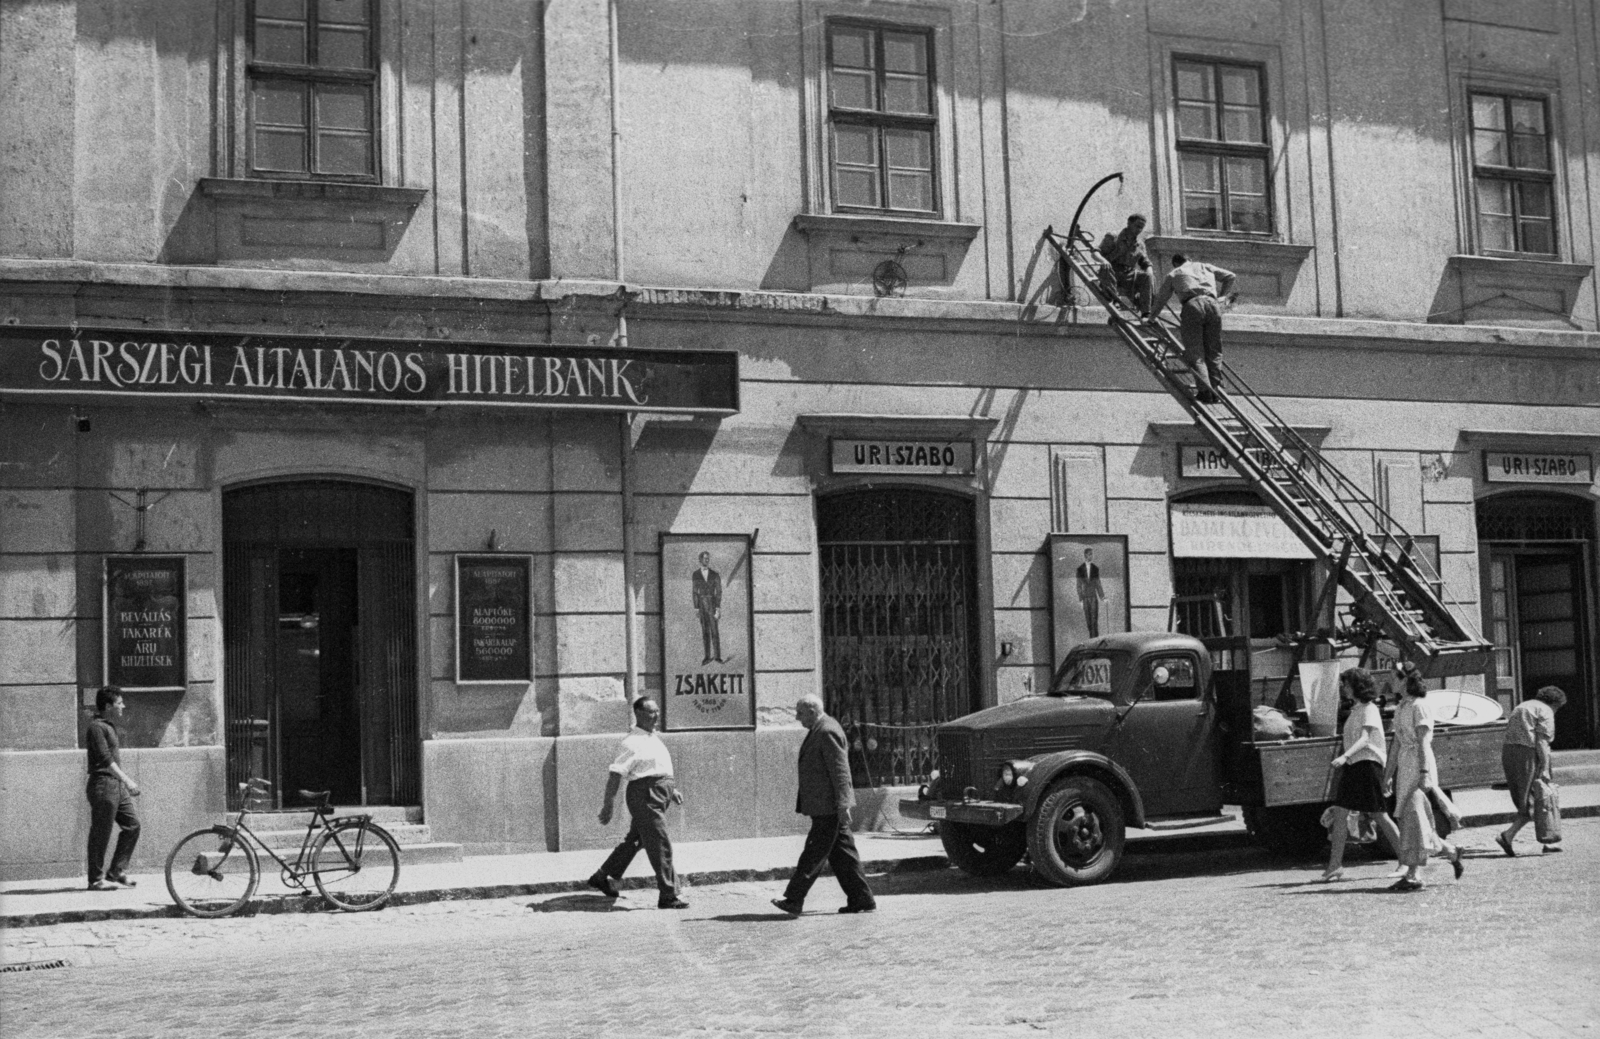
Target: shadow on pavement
581, 904
755, 918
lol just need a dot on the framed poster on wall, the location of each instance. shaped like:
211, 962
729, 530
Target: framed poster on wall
1088, 588
144, 636
707, 642
494, 619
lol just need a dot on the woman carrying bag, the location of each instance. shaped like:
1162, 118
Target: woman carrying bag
1415, 774
1526, 761
1359, 780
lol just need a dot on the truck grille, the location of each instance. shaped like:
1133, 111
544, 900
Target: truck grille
955, 762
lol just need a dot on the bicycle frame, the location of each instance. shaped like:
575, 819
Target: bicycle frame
295, 873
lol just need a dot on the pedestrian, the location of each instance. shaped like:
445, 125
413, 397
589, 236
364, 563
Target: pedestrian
644, 763
826, 795
1198, 287
1414, 773
1525, 757
1361, 769
111, 792
1127, 269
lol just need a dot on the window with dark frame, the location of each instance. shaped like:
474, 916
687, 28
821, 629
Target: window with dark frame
881, 119
1223, 154
313, 90
1513, 177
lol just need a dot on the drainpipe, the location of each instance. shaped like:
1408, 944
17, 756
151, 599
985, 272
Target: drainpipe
631, 640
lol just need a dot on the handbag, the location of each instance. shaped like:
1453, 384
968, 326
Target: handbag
1546, 811
1446, 818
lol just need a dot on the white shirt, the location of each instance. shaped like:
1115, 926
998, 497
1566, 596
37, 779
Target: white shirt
642, 756
1365, 720
1530, 722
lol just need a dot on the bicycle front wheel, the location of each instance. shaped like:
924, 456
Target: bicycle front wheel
356, 864
212, 872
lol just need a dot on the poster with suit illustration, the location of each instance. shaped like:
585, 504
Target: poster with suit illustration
708, 674
1089, 588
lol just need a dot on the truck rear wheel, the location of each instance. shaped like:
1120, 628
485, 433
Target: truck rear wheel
1077, 835
1293, 831
983, 851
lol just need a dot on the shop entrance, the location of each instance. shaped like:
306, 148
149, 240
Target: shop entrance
899, 624
319, 640
1537, 550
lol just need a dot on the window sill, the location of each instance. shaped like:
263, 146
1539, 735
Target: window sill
895, 226
318, 190
843, 250
1504, 290
1267, 270
304, 224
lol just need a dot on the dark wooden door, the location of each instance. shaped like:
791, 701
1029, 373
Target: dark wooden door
1550, 636
320, 640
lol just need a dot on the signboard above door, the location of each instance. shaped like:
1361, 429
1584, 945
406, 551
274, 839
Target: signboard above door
152, 363
904, 457
1205, 462
1538, 467
1233, 532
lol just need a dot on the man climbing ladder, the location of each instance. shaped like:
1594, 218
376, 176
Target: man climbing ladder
1199, 287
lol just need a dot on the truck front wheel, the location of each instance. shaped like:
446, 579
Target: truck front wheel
983, 851
1077, 835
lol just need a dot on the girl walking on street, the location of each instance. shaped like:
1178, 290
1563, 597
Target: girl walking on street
1414, 772
1361, 771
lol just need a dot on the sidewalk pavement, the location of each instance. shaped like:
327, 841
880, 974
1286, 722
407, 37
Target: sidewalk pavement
29, 903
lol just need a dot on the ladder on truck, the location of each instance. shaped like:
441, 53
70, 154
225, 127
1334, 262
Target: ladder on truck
1395, 593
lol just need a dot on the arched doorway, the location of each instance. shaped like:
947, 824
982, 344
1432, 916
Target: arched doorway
899, 583
1537, 557
319, 640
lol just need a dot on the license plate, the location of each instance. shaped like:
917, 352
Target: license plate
936, 811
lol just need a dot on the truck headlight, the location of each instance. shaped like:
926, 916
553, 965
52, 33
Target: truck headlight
1008, 774
1015, 773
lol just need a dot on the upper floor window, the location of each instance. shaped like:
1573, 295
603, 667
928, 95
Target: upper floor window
1222, 146
1512, 174
313, 86
881, 118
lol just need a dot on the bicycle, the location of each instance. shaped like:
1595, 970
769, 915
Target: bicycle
354, 862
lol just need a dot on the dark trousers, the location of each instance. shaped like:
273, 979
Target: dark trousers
831, 843
109, 802
1133, 282
710, 636
1091, 617
1201, 323
647, 807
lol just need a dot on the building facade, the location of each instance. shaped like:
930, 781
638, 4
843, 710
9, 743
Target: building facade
389, 390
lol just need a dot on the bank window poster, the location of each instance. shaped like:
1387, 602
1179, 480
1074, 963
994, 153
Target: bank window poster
144, 635
707, 643
494, 619
1089, 588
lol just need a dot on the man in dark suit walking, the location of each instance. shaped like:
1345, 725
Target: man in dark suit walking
826, 795
707, 587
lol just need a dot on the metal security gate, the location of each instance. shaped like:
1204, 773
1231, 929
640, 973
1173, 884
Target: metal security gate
899, 624
319, 640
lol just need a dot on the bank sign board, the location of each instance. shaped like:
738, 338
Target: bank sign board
1537, 467
304, 368
904, 457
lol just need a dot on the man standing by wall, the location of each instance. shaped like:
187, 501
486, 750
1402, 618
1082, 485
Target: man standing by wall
1090, 592
645, 764
826, 795
707, 587
1199, 286
111, 792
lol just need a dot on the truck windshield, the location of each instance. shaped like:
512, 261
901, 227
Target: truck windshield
1090, 674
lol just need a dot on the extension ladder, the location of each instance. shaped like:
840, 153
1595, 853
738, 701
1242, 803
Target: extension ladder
1394, 592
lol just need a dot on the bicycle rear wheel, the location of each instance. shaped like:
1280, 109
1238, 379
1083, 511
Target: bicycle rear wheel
357, 864
212, 872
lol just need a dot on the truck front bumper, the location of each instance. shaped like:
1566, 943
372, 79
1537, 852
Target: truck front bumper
978, 813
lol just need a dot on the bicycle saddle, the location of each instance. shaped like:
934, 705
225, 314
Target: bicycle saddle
320, 799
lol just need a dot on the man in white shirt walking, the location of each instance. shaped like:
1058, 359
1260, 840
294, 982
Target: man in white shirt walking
644, 763
1198, 286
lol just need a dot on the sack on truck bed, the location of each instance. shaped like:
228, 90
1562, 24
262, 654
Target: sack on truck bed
1269, 723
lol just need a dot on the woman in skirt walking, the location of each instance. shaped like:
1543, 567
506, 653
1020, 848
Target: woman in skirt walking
1361, 768
1414, 772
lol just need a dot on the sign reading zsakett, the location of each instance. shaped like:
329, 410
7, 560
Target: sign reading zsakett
183, 364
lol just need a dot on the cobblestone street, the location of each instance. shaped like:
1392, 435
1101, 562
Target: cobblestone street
1179, 945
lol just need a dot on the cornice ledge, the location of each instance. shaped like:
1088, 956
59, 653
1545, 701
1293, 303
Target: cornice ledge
907, 427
